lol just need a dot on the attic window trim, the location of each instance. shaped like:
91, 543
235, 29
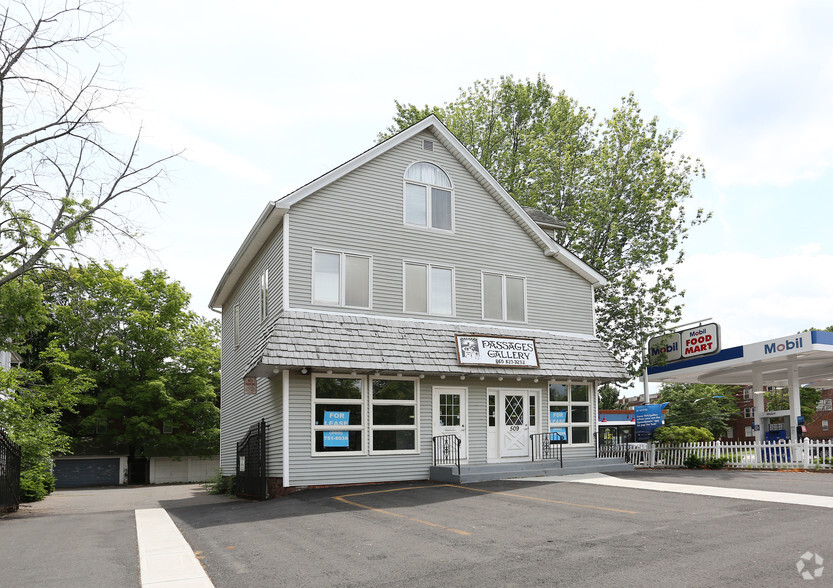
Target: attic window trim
428, 197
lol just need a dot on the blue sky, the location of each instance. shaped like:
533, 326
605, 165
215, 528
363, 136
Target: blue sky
265, 96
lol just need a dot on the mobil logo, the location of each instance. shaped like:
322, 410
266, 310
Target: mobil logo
781, 346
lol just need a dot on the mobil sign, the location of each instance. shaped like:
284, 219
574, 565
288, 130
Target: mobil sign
685, 344
702, 340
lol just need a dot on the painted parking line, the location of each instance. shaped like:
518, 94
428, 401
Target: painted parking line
165, 558
346, 498
738, 493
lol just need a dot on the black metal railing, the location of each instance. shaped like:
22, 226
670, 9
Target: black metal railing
547, 446
251, 463
9, 474
447, 450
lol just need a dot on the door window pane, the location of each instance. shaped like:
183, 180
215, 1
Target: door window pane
416, 210
440, 209
492, 296
441, 291
450, 410
416, 288
357, 281
326, 277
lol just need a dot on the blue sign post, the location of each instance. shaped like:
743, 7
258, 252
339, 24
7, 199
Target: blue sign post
648, 417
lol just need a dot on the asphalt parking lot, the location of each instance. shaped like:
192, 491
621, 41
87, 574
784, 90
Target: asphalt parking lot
507, 533
518, 533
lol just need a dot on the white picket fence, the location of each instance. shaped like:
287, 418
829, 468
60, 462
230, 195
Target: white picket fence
807, 454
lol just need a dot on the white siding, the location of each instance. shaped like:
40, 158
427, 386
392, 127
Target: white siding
363, 213
239, 411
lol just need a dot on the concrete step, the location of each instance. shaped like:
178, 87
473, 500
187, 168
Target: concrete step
504, 471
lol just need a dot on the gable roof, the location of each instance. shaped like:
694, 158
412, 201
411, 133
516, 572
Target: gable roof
274, 211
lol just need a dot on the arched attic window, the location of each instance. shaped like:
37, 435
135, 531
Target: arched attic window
428, 197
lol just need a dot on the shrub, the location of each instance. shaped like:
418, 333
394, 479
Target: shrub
717, 463
693, 461
677, 435
36, 483
222, 484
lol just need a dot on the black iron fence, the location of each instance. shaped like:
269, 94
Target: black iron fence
447, 450
9, 474
547, 446
251, 463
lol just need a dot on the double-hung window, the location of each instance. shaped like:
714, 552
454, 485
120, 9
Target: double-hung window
504, 297
341, 279
429, 289
569, 414
428, 197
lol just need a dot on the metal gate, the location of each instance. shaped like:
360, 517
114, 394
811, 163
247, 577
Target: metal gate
251, 463
9, 474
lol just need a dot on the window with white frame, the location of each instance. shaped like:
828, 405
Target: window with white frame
748, 413
264, 294
393, 410
747, 432
730, 433
825, 425
341, 279
569, 412
429, 289
338, 415
747, 393
428, 197
339, 406
504, 297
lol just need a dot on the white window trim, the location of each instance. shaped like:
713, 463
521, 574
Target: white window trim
504, 313
427, 226
429, 267
338, 401
264, 294
371, 427
367, 426
591, 391
235, 325
342, 283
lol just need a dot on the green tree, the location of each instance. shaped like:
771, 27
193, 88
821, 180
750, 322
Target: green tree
620, 184
780, 400
608, 397
154, 363
62, 175
30, 410
706, 406
676, 435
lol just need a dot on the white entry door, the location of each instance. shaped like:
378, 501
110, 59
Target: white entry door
513, 408
450, 415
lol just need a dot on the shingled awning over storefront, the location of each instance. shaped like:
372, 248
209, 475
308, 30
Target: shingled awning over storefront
360, 343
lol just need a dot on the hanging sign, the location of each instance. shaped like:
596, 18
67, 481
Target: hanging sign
505, 351
685, 344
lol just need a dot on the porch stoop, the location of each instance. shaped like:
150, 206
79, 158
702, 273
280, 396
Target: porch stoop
525, 469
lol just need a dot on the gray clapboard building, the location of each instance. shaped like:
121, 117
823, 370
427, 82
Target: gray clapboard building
400, 297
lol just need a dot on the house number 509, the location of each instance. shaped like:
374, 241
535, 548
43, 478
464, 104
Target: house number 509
514, 428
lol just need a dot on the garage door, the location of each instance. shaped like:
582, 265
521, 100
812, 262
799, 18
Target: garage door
72, 473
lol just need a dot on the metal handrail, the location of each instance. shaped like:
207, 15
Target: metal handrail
447, 450
548, 446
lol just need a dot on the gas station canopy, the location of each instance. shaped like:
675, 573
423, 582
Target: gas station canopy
806, 356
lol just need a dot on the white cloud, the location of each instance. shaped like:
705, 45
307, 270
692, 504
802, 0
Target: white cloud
757, 298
